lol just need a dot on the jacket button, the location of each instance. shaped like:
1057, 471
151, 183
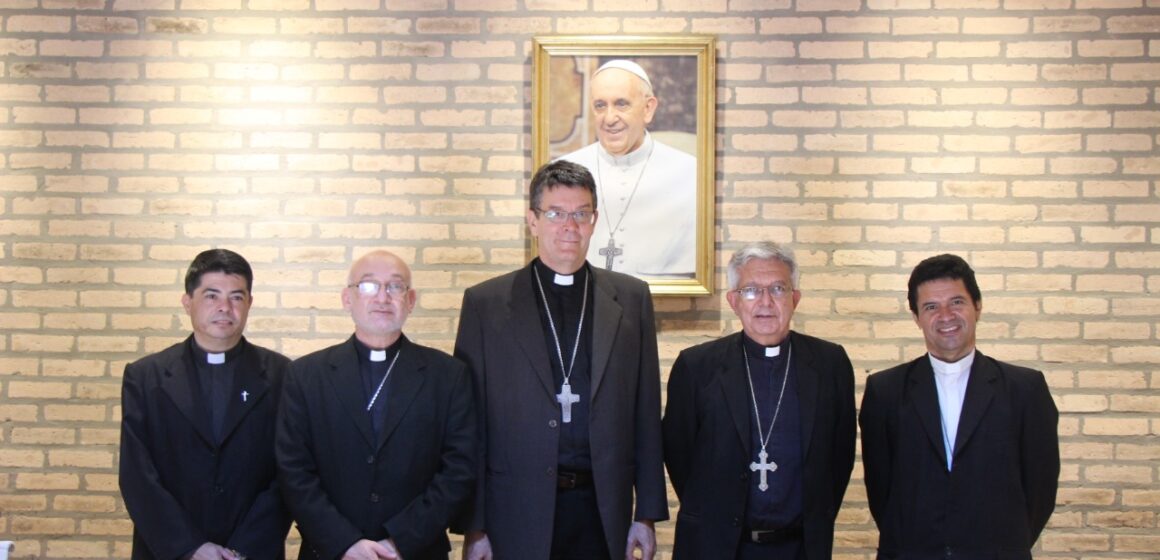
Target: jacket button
370, 459
736, 522
374, 498
218, 489
550, 471
552, 423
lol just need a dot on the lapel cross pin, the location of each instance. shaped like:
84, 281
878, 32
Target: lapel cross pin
245, 395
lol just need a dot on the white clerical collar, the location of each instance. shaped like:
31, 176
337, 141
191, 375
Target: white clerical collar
378, 355
772, 351
952, 368
633, 158
565, 279
215, 358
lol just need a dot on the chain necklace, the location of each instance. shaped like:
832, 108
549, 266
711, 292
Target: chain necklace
566, 397
375, 397
611, 251
762, 464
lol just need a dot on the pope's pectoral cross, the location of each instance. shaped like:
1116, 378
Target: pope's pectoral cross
567, 398
765, 467
610, 252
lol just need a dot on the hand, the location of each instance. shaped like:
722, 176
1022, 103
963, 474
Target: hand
476, 546
211, 551
389, 544
369, 550
641, 536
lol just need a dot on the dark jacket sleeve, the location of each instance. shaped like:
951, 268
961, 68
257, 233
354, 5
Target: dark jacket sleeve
327, 530
680, 423
1040, 453
651, 499
454, 483
469, 348
158, 518
845, 428
876, 452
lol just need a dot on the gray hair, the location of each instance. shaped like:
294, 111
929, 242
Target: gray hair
763, 250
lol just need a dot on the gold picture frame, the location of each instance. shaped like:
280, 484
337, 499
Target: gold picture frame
681, 71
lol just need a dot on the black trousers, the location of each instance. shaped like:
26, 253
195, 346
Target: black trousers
576, 530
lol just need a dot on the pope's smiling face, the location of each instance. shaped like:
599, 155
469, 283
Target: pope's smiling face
947, 316
622, 109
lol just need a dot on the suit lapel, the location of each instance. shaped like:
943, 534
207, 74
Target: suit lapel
179, 384
249, 388
981, 387
605, 325
345, 378
807, 383
731, 373
406, 380
924, 399
525, 314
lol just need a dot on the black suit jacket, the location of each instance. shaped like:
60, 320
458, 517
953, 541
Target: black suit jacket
1001, 491
183, 489
502, 340
343, 484
708, 447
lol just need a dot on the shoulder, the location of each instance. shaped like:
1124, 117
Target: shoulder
157, 360
817, 345
434, 357
269, 357
1015, 375
489, 288
317, 358
623, 283
894, 375
711, 350
580, 156
673, 154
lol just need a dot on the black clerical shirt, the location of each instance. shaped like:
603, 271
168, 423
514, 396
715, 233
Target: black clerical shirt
565, 303
373, 375
779, 506
215, 383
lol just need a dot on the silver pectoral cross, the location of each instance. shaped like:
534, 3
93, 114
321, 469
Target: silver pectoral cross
765, 468
566, 398
610, 252
245, 395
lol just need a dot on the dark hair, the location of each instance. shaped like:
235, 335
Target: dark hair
561, 173
939, 267
217, 260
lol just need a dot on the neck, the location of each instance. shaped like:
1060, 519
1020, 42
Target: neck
949, 358
376, 341
765, 340
215, 346
562, 268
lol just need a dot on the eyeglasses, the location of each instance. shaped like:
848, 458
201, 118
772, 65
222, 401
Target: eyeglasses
394, 288
582, 217
776, 291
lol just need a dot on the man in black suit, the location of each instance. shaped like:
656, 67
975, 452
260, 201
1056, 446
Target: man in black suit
564, 359
197, 430
376, 435
759, 426
960, 450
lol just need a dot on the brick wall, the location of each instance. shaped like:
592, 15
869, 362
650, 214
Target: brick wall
1022, 134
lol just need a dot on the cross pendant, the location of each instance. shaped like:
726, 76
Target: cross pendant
566, 398
609, 252
245, 395
763, 466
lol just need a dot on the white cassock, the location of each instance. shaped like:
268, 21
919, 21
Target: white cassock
654, 229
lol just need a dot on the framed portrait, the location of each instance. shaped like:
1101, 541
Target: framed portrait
638, 112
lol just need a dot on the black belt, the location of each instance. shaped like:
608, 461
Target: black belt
772, 536
567, 480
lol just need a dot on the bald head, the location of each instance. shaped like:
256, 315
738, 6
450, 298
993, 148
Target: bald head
379, 297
